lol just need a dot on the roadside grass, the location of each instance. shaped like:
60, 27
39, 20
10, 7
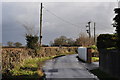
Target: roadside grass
95, 59
102, 75
29, 69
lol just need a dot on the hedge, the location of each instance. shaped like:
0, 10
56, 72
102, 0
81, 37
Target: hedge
106, 41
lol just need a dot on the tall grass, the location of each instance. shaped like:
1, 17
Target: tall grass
30, 68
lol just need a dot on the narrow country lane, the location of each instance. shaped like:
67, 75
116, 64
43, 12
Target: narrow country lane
66, 67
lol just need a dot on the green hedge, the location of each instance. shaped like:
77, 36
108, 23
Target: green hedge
106, 41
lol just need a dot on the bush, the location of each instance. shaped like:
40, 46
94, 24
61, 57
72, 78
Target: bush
95, 59
106, 41
93, 47
32, 41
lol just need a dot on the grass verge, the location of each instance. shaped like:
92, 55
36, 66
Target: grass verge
29, 69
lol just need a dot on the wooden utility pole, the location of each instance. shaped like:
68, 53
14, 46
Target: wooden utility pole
94, 33
41, 25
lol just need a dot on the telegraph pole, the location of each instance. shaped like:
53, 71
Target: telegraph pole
41, 25
94, 33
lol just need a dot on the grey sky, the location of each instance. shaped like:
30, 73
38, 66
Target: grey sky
0, 22
79, 13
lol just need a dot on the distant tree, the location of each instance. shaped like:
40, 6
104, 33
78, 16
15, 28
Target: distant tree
78, 42
10, 44
17, 44
84, 40
44, 45
70, 42
51, 43
62, 40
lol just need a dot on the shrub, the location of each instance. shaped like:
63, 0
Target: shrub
106, 41
95, 59
32, 41
93, 47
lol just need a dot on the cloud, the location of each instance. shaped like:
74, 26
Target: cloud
15, 14
0, 22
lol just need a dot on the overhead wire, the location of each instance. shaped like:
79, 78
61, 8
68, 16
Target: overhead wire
60, 18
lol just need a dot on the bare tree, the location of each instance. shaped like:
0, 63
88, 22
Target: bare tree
84, 40
31, 35
30, 29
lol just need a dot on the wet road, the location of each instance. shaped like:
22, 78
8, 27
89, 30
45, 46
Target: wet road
67, 67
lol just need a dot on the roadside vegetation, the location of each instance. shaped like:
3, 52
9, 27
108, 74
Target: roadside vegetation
107, 41
109, 47
95, 53
29, 69
95, 59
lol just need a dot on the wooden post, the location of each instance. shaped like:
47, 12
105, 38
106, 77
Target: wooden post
89, 55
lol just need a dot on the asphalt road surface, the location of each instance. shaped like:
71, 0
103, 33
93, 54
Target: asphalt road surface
67, 68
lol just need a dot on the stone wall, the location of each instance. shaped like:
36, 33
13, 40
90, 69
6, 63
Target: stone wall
12, 56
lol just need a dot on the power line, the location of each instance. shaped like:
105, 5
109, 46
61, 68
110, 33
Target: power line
61, 18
